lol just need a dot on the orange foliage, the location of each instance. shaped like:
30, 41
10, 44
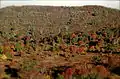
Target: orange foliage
73, 35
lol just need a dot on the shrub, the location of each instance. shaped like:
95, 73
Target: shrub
18, 47
73, 48
96, 59
9, 56
28, 65
1, 50
60, 76
89, 76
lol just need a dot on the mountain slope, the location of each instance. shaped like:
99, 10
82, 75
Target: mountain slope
48, 20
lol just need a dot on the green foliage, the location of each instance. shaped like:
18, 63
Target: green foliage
93, 76
89, 76
18, 47
47, 77
6, 76
110, 47
1, 50
55, 47
60, 76
28, 65
96, 59
74, 40
59, 40
47, 47
9, 56
1, 55
105, 36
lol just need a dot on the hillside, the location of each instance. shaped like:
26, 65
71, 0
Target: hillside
52, 20
43, 42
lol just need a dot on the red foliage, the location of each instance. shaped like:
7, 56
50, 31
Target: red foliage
81, 49
94, 36
80, 42
63, 73
92, 47
27, 38
73, 48
63, 47
102, 71
68, 73
81, 71
104, 34
73, 35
